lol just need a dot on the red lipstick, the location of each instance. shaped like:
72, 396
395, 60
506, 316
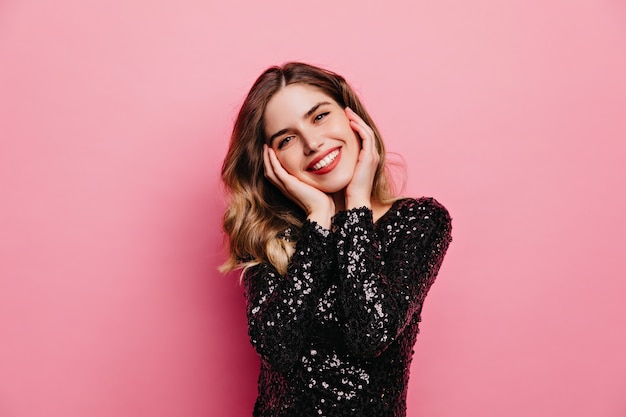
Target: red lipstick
326, 169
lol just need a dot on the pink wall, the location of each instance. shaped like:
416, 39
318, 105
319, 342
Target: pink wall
114, 119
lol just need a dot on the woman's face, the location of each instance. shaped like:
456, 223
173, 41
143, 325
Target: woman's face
312, 137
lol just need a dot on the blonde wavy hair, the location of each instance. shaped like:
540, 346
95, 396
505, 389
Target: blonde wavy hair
260, 222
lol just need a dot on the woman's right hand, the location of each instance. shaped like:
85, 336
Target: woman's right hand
317, 205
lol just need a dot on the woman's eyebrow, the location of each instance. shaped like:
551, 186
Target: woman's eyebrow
306, 115
274, 136
314, 108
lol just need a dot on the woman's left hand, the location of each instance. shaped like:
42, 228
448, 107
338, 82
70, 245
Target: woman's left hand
359, 191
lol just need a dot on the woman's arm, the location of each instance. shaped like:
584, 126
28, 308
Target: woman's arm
380, 293
280, 308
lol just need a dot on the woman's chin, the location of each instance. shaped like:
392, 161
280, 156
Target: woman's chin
334, 189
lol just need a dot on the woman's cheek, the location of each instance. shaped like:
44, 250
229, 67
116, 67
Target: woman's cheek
286, 161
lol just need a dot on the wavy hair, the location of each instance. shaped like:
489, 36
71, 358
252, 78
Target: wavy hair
260, 222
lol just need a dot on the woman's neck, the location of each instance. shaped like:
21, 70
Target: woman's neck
378, 208
339, 198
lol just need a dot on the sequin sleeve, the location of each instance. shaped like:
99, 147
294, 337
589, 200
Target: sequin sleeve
382, 290
280, 308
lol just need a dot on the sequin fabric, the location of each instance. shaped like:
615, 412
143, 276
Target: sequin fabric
335, 333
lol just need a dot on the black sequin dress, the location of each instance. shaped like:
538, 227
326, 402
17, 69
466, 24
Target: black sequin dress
335, 333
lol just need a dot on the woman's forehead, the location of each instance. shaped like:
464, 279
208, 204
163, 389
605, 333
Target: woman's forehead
294, 100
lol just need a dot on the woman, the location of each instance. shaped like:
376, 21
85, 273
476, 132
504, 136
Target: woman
336, 268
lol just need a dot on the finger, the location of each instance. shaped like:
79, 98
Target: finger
267, 164
369, 155
266, 161
368, 142
363, 129
270, 172
277, 167
358, 121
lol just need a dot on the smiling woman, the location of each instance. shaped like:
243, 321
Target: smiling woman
317, 145
335, 267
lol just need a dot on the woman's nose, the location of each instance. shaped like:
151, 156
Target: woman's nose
312, 143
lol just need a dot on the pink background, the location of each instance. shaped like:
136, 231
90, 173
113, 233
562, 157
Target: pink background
114, 120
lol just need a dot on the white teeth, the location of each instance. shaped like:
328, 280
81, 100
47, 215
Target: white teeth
327, 160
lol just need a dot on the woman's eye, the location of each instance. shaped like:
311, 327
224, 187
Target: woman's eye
284, 142
321, 116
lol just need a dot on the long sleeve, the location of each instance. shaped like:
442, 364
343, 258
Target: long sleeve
280, 308
380, 291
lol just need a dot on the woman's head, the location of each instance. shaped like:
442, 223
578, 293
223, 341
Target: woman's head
311, 136
258, 212
243, 166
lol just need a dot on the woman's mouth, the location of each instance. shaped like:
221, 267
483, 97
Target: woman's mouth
325, 161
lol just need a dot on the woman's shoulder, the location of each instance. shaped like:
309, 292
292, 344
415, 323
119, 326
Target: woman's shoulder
422, 207
425, 216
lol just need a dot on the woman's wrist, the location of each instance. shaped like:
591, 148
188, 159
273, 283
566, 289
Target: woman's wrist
321, 219
352, 203
322, 214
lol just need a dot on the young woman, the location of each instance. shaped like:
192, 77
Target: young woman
335, 267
